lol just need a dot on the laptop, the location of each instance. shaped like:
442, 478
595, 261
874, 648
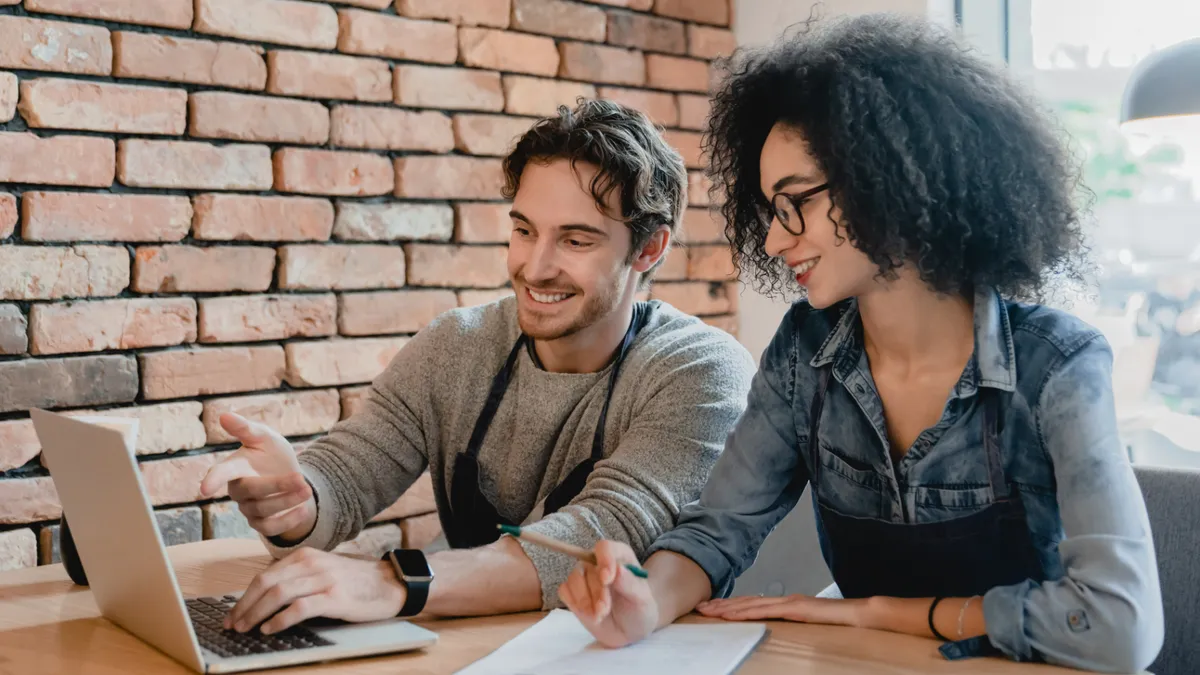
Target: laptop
94, 468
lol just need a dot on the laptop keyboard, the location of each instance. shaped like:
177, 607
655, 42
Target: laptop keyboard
209, 613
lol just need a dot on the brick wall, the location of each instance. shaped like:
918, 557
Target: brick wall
248, 205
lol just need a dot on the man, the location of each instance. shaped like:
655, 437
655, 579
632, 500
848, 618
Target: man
570, 409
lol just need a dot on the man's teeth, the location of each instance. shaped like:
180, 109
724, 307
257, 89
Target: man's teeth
549, 297
805, 266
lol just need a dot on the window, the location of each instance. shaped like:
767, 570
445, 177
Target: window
1145, 235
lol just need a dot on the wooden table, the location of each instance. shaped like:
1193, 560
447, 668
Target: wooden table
48, 625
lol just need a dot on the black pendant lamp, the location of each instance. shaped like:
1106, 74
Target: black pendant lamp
1163, 93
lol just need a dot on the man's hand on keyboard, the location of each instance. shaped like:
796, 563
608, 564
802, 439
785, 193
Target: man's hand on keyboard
311, 583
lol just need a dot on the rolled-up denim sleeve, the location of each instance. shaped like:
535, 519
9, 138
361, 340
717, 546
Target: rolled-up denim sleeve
755, 483
1106, 613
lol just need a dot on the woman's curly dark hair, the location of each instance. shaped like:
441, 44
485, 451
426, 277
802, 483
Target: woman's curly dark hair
936, 158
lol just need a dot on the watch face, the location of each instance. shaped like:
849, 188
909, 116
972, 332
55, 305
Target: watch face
413, 564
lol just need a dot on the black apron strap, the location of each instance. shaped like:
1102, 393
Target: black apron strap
495, 396
991, 444
640, 314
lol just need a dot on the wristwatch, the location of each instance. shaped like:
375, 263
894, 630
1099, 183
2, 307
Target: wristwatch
413, 570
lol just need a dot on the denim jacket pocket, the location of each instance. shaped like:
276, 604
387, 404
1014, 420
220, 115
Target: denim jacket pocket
937, 504
846, 488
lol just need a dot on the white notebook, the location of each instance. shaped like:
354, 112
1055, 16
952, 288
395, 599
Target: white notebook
560, 645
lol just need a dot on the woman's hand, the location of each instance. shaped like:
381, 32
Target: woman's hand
615, 606
802, 608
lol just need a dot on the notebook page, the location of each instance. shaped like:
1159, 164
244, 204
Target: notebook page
560, 645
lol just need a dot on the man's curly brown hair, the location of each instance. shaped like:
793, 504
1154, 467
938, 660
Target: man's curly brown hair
936, 158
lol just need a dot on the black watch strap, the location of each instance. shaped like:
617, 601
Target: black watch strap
416, 588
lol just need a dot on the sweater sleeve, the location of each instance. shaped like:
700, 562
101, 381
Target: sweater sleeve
684, 410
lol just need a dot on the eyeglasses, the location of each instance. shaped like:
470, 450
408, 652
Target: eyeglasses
786, 208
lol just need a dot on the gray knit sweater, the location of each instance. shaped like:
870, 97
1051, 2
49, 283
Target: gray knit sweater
679, 392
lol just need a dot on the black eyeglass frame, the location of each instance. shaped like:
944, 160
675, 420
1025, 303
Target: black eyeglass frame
796, 201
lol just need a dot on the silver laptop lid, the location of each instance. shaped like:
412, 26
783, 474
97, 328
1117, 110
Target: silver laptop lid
103, 499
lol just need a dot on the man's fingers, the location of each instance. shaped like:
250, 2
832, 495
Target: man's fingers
583, 595
279, 523
279, 596
221, 473
304, 608
245, 431
265, 508
610, 556
280, 572
260, 487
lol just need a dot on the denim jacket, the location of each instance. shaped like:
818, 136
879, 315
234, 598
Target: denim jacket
1100, 608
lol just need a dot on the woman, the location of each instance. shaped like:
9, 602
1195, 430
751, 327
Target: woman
962, 447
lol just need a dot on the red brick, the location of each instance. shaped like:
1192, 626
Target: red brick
51, 103
55, 46
420, 531
540, 97
698, 297
253, 318
507, 51
61, 383
314, 75
493, 13
699, 187
389, 221
480, 266
676, 74
417, 500
705, 42
710, 263
18, 549
492, 135
8, 214
391, 129
251, 218
335, 362
189, 269
353, 400
651, 33
448, 177
184, 373
659, 107
166, 427
476, 297
9, 93
49, 273
327, 172
111, 324
702, 226
303, 24
385, 312
161, 13
688, 145
191, 165
98, 216
242, 117
14, 333
727, 323
482, 223
171, 59
693, 111
58, 160
294, 413
177, 480
674, 267
449, 88
374, 34
18, 443
28, 500
346, 266
640, 5
701, 11
597, 63
559, 18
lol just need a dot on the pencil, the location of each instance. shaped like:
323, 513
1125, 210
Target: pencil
563, 547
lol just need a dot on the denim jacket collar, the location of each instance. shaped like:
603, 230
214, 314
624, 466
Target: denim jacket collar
992, 365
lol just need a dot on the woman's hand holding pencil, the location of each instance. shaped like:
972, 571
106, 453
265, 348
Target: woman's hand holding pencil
580, 554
